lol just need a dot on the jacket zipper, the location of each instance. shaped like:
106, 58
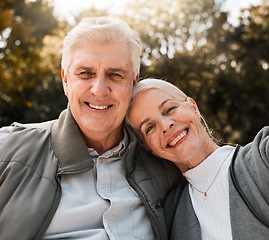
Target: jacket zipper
156, 229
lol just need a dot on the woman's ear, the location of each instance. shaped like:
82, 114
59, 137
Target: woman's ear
195, 107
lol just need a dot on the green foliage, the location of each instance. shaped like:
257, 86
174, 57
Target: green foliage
22, 70
225, 69
169, 26
188, 42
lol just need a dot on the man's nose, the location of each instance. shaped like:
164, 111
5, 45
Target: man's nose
100, 85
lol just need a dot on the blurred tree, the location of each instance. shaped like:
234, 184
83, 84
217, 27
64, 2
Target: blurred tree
239, 100
169, 26
190, 43
225, 69
23, 27
93, 12
177, 47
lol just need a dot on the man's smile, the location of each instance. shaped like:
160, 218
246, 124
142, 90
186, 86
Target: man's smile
98, 107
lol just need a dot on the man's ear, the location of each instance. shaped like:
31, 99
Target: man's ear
135, 81
64, 81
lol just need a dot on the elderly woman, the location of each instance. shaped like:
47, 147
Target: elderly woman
226, 195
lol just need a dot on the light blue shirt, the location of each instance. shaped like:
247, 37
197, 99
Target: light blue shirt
4, 131
100, 204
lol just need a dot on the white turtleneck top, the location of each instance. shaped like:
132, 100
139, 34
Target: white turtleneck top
213, 211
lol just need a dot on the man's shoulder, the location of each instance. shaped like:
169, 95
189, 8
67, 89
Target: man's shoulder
4, 132
42, 125
18, 127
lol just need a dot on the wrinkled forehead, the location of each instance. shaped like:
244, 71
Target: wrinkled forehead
112, 55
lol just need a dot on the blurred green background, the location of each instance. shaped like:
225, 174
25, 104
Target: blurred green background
224, 67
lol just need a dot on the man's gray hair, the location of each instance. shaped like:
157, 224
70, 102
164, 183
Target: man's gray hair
102, 30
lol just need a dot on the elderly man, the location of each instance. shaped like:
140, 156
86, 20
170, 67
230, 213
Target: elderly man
82, 176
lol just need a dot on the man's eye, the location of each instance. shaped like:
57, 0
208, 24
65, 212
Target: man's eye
85, 75
115, 76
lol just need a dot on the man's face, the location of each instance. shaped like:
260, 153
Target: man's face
99, 85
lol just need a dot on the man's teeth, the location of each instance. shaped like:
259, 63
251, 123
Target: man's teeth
178, 138
98, 107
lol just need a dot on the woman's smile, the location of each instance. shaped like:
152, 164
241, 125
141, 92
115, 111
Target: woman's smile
178, 137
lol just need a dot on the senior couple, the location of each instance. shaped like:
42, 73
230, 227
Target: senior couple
156, 174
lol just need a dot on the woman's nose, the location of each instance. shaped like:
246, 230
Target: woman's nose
167, 127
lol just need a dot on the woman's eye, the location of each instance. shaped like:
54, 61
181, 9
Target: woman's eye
170, 109
149, 129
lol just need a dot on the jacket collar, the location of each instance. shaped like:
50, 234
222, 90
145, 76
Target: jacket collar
130, 152
71, 149
69, 145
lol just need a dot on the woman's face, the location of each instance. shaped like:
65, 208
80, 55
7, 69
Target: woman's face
172, 129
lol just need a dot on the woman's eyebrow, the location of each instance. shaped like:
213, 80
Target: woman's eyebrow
160, 107
142, 123
165, 101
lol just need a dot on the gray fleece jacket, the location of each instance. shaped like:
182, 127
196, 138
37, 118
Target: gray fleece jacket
34, 157
248, 193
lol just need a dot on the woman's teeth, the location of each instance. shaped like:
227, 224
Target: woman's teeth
178, 138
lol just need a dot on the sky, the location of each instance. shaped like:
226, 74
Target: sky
69, 9
234, 6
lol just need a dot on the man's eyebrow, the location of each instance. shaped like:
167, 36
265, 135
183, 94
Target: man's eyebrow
142, 123
117, 70
84, 68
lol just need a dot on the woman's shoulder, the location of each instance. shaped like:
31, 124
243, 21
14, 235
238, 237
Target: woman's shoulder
262, 136
258, 148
